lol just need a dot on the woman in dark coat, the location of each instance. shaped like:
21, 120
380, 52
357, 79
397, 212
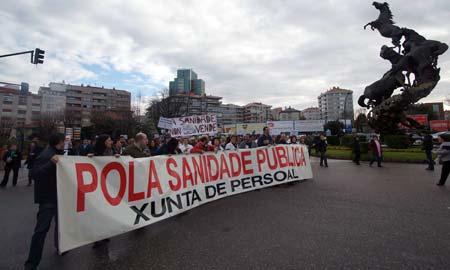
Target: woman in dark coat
33, 153
103, 147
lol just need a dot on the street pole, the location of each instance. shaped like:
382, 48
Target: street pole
37, 55
19, 53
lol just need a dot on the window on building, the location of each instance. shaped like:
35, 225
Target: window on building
8, 98
23, 99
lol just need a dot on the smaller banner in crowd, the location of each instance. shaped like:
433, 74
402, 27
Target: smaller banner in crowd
250, 128
101, 197
165, 123
278, 127
309, 125
193, 125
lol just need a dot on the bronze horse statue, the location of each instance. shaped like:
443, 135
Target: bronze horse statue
418, 57
385, 24
382, 89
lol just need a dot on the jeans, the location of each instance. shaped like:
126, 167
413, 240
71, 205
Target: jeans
445, 172
377, 158
357, 157
47, 211
323, 158
429, 159
6, 176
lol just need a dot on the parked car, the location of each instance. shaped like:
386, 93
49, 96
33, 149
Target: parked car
416, 139
436, 136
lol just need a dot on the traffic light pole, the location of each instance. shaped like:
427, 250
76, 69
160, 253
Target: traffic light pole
13, 54
37, 55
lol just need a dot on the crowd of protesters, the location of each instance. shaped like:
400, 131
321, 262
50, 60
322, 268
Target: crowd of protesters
142, 146
42, 163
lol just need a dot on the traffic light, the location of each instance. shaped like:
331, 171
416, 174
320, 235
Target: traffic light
38, 56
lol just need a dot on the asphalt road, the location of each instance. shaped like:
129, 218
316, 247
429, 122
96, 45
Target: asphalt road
347, 217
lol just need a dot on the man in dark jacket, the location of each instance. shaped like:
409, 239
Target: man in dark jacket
265, 139
356, 150
33, 152
322, 149
428, 147
13, 161
137, 149
44, 175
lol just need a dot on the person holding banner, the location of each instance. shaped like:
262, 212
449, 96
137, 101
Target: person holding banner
172, 147
201, 146
265, 139
247, 142
103, 147
217, 146
232, 144
137, 149
44, 175
185, 147
293, 140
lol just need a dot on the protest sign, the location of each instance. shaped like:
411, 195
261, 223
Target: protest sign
165, 123
309, 125
278, 127
101, 197
193, 125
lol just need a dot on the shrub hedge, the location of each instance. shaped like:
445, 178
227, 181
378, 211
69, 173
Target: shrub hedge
397, 141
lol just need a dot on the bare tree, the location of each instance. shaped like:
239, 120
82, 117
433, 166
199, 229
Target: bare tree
165, 105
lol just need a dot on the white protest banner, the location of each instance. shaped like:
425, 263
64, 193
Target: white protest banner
101, 197
250, 128
165, 123
278, 127
309, 125
194, 125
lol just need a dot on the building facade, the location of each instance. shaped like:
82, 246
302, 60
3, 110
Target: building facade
53, 98
230, 114
311, 113
190, 104
335, 104
84, 101
18, 108
290, 114
186, 82
257, 112
78, 103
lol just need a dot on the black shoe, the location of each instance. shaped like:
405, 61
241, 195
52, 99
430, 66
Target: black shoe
439, 184
321, 165
430, 169
379, 166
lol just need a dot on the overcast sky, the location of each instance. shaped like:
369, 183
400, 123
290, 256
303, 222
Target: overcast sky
278, 52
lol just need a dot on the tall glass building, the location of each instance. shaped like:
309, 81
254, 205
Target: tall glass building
187, 82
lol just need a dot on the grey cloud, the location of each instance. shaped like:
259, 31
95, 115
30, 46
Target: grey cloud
278, 52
